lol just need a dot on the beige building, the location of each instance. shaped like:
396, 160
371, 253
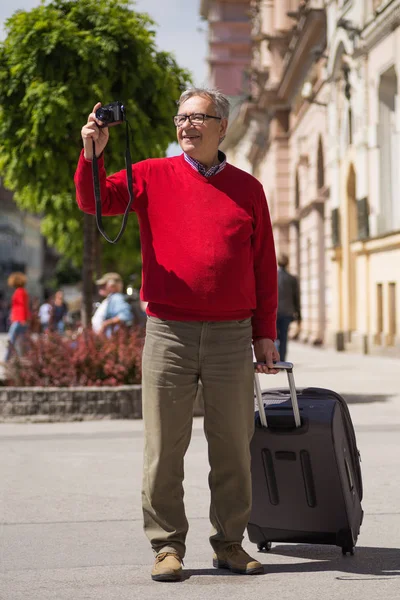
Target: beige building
364, 124
321, 131
280, 136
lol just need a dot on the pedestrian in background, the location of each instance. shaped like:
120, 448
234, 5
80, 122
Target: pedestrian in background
19, 315
58, 313
3, 314
34, 325
288, 304
114, 310
210, 280
45, 312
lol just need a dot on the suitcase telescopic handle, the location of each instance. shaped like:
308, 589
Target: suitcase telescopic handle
284, 366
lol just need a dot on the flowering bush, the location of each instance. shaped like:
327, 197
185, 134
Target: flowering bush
87, 360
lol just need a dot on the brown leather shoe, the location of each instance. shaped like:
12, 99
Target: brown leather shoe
168, 567
234, 558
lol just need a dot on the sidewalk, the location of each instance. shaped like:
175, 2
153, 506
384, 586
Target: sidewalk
71, 521
370, 384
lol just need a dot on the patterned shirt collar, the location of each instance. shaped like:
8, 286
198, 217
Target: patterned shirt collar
197, 166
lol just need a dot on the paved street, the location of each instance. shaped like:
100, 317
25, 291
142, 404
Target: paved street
71, 520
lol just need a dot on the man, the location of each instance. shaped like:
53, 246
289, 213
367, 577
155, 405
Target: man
59, 312
288, 303
209, 277
114, 310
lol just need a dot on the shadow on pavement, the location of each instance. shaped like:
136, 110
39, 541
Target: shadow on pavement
377, 563
366, 398
188, 573
366, 564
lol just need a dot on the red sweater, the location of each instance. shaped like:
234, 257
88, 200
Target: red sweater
20, 305
207, 244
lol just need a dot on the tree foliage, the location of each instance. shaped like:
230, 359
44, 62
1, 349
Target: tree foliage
56, 62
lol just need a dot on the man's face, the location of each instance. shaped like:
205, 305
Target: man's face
200, 141
111, 287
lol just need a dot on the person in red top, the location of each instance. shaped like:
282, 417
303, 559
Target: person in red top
210, 281
19, 313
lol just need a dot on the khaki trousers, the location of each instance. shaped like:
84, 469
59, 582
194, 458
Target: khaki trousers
176, 356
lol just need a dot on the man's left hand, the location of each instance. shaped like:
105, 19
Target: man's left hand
266, 352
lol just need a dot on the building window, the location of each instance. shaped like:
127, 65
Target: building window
350, 127
352, 205
392, 317
309, 288
389, 214
297, 192
235, 12
363, 219
320, 165
297, 260
379, 312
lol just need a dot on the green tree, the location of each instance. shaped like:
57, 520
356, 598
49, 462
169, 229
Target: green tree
58, 60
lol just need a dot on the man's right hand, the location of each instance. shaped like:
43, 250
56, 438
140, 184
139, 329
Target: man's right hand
93, 130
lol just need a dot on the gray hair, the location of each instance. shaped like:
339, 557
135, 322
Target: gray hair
220, 101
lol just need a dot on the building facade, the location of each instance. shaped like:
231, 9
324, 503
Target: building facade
21, 246
283, 136
364, 128
320, 129
229, 26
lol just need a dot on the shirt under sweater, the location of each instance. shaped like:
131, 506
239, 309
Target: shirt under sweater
202, 169
207, 244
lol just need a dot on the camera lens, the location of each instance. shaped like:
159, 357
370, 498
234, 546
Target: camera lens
102, 114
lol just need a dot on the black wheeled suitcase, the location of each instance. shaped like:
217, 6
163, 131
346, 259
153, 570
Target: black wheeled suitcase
306, 474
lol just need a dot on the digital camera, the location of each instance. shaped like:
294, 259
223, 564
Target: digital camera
111, 114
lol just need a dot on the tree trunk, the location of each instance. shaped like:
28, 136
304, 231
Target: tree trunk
89, 225
97, 254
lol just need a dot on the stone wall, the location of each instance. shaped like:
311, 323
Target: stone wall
63, 404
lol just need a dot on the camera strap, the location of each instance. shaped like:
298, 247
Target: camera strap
97, 193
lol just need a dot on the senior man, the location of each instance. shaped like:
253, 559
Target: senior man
210, 280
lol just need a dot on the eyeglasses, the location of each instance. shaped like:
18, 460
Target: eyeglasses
194, 119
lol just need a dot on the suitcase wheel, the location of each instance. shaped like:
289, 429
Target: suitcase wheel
264, 546
348, 550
